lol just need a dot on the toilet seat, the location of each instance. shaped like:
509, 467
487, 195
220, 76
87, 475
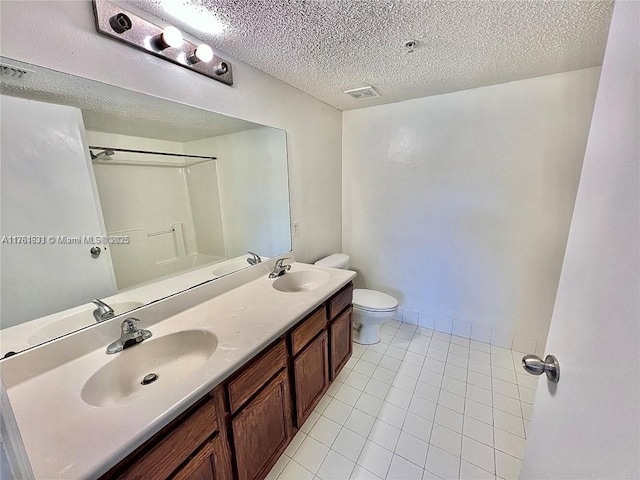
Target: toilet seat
373, 301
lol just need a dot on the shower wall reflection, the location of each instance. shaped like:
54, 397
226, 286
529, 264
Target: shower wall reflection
168, 212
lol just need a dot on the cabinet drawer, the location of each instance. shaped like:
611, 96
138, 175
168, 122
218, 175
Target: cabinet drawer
252, 378
308, 329
173, 450
340, 301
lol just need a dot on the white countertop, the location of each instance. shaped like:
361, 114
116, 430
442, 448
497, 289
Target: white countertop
68, 438
34, 332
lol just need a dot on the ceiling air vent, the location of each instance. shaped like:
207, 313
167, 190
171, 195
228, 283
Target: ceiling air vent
362, 92
13, 72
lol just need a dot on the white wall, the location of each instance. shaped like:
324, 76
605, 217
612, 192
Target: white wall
204, 194
252, 178
61, 35
459, 204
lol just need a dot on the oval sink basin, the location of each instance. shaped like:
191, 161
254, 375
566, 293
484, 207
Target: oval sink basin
231, 266
171, 358
301, 281
75, 321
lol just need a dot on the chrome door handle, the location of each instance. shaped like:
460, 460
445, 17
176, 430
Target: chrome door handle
536, 366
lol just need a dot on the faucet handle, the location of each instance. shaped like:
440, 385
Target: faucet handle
102, 306
130, 325
280, 261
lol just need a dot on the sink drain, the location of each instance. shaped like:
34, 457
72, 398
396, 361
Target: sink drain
150, 378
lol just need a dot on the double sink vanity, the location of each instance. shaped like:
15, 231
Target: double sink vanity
231, 371
211, 365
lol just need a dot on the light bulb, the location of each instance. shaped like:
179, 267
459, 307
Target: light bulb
202, 53
170, 37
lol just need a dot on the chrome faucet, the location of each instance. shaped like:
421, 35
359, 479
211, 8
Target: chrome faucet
279, 269
255, 258
103, 312
130, 336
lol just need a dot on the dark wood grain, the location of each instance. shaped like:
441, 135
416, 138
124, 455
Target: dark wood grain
251, 378
340, 301
201, 466
263, 429
341, 337
164, 458
311, 374
308, 329
223, 467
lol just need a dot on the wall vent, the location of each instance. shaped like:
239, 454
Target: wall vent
13, 72
362, 92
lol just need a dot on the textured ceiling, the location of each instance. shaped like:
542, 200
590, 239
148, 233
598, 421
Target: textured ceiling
324, 47
110, 109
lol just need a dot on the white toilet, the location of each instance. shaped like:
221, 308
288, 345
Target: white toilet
370, 308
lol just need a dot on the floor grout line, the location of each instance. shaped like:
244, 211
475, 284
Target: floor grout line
424, 356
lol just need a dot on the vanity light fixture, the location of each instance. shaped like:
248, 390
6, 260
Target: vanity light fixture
166, 43
222, 68
202, 53
170, 37
120, 23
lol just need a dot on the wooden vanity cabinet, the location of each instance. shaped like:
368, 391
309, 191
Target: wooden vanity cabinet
263, 429
341, 339
204, 465
260, 404
251, 378
340, 332
240, 429
309, 345
177, 447
311, 375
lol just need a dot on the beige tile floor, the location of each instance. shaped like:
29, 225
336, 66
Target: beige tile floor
418, 405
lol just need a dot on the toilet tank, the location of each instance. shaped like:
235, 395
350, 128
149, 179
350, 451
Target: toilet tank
337, 260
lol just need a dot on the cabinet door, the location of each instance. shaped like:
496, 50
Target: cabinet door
176, 445
311, 373
201, 466
340, 333
262, 429
204, 465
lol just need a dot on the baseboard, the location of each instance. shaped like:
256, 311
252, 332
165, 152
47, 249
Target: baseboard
514, 340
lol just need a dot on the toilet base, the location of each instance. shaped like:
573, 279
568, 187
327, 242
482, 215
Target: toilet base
366, 325
367, 334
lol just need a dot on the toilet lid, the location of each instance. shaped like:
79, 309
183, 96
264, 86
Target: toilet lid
373, 301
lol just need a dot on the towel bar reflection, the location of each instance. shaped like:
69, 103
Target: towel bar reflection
161, 232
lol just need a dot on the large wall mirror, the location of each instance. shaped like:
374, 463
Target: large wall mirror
114, 195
